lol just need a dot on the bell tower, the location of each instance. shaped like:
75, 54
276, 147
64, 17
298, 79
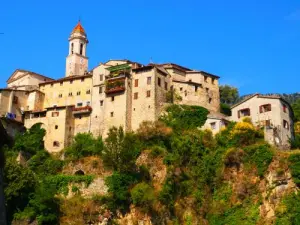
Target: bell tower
77, 62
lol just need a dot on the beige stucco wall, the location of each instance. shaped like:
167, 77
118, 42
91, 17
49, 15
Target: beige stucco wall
276, 116
52, 92
219, 124
27, 80
207, 94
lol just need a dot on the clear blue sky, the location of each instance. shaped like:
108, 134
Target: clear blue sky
254, 45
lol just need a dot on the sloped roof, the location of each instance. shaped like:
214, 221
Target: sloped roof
74, 77
26, 72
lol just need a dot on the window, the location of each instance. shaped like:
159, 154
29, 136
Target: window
72, 48
196, 88
158, 81
148, 80
180, 88
88, 92
78, 93
285, 124
207, 90
101, 77
88, 103
243, 112
101, 102
205, 79
212, 80
100, 90
113, 98
213, 125
268, 123
82, 79
148, 94
209, 100
136, 95
284, 108
79, 104
70, 94
111, 114
56, 127
81, 48
61, 83
15, 100
51, 85
55, 114
265, 108
55, 144
166, 86
60, 95
71, 81
136, 82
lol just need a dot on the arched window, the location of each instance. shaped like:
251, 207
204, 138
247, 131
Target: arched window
72, 48
81, 48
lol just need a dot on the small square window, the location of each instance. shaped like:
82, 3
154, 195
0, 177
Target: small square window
205, 79
136, 82
207, 90
71, 81
70, 94
60, 95
180, 88
113, 98
101, 77
148, 94
82, 79
213, 80
158, 81
209, 100
284, 108
286, 124
111, 114
213, 125
101, 102
196, 88
148, 80
78, 93
79, 104
55, 144
100, 90
88, 92
88, 103
61, 83
166, 86
56, 127
136, 95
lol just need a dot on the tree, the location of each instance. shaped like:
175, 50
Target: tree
121, 150
85, 145
296, 109
228, 94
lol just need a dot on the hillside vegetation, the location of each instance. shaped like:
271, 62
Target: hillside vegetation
168, 172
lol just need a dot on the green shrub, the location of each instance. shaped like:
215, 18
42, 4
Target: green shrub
142, 195
288, 211
31, 141
157, 151
84, 144
118, 186
260, 155
182, 117
294, 165
295, 143
168, 193
44, 164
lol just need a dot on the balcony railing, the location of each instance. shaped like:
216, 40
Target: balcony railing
81, 110
115, 85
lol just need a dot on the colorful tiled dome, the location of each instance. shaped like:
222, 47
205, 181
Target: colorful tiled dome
78, 28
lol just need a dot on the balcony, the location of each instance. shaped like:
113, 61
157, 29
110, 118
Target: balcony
82, 110
115, 85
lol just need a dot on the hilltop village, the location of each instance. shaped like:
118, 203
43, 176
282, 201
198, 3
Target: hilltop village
124, 93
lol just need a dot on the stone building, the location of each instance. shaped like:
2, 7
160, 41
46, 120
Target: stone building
114, 93
272, 113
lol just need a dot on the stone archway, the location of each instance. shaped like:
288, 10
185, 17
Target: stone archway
79, 172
